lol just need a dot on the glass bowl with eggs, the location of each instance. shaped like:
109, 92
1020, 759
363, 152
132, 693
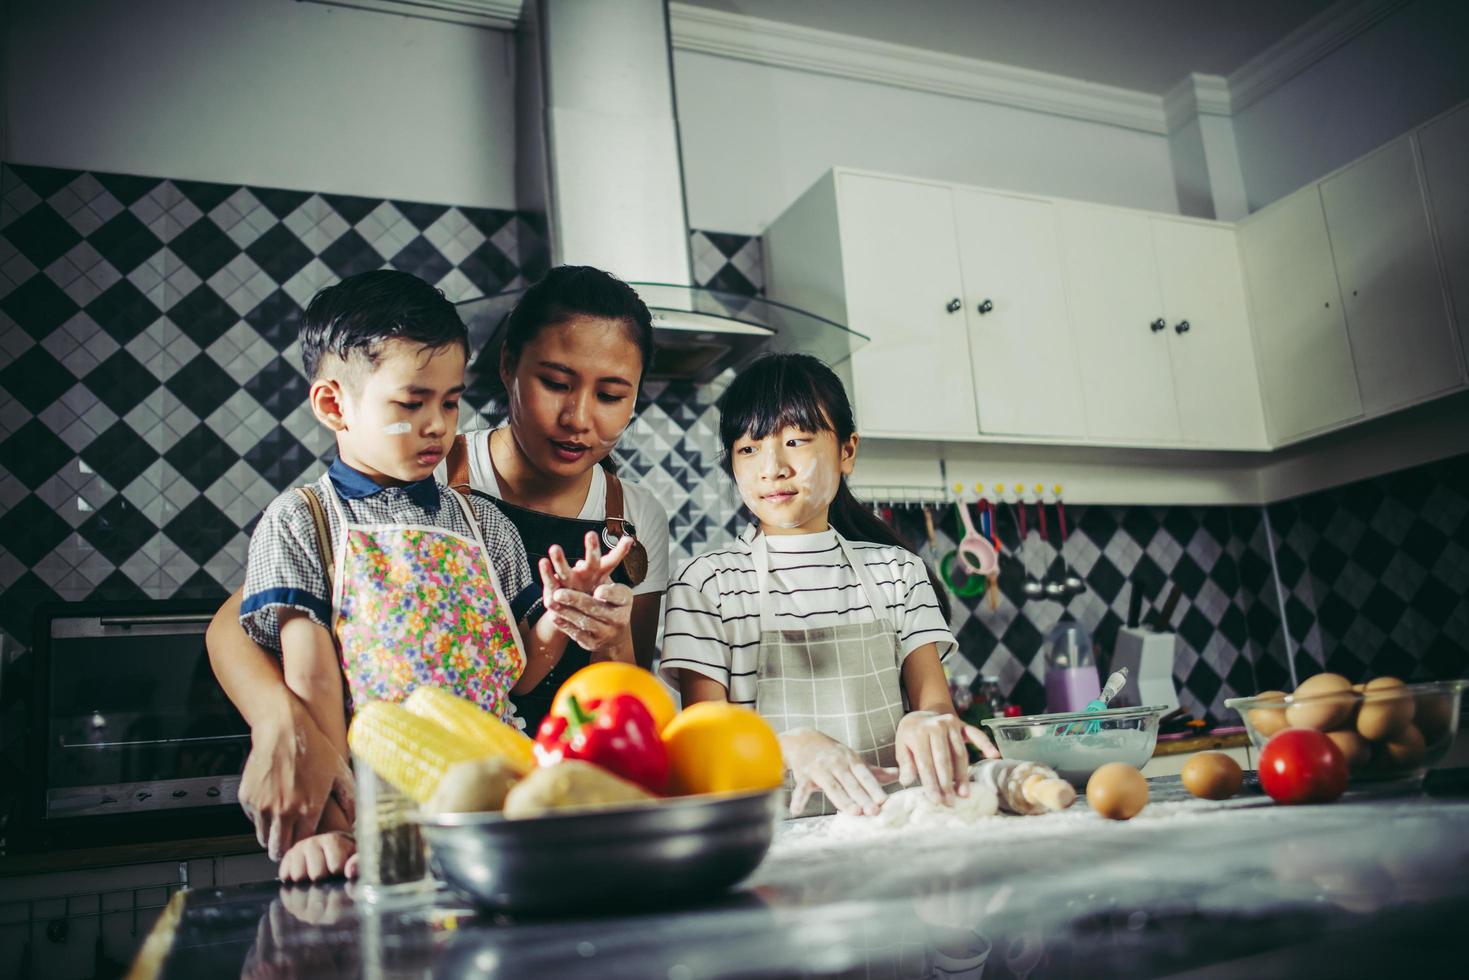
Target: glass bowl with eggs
1388, 731
1077, 743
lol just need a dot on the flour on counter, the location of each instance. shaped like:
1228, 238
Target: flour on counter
912, 809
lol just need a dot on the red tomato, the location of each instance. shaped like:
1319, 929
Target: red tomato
1302, 765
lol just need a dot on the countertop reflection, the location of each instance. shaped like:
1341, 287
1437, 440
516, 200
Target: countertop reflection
1362, 887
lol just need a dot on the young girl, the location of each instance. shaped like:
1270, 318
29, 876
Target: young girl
818, 617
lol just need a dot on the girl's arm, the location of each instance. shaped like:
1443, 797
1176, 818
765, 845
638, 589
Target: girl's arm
694, 687
924, 680
292, 770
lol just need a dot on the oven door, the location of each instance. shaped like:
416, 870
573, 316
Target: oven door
134, 739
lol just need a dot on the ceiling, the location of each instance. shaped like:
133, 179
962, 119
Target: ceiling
1146, 45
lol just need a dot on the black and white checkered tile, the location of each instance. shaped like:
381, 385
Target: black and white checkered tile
151, 404
1114, 549
151, 399
1375, 575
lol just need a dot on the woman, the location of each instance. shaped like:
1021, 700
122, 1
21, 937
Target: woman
576, 348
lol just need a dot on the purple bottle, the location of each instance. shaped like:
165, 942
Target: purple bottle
1071, 669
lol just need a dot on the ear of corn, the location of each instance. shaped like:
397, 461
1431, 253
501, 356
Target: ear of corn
488, 735
410, 752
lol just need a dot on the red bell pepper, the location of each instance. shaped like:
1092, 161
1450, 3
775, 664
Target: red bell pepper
616, 733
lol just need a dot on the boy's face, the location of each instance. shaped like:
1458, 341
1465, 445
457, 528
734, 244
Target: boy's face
789, 478
396, 420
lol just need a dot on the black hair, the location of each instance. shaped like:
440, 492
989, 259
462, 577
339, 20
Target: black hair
577, 290
355, 317
798, 390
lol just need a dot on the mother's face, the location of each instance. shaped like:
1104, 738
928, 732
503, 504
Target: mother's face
572, 392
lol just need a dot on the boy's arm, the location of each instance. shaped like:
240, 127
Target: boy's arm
546, 645
314, 674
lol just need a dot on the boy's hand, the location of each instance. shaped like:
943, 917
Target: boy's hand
329, 855
931, 750
582, 601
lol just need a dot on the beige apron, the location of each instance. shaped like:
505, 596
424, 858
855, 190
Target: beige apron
842, 681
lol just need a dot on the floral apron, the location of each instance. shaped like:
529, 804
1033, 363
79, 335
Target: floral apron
843, 681
414, 605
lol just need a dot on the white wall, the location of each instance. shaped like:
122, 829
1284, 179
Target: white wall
1407, 68
267, 92
754, 137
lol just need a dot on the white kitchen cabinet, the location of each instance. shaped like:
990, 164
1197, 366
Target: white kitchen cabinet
904, 289
1215, 381
1306, 371
1444, 145
1026, 378
1402, 341
1118, 325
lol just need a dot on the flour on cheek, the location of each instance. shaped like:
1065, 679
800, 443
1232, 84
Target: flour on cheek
398, 429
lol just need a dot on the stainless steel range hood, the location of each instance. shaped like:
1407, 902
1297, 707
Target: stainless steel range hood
597, 155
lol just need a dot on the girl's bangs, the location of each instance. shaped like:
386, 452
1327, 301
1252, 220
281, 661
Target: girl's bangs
767, 405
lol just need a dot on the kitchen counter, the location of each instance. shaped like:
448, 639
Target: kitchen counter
1369, 886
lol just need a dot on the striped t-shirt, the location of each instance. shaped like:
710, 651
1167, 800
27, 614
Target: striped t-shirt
712, 623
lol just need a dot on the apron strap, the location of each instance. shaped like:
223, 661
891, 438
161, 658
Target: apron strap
474, 527
636, 562
761, 554
323, 535
456, 464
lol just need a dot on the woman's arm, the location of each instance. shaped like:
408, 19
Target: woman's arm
646, 609
292, 769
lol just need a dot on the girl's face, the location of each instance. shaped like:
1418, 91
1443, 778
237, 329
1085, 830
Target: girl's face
572, 393
789, 478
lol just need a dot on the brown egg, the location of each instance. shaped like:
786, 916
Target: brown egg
1212, 776
1402, 752
1117, 791
1383, 716
1322, 712
1432, 716
1268, 721
1353, 746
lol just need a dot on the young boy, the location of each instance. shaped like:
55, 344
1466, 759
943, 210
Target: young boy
411, 583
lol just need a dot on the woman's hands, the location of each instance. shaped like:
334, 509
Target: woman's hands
290, 776
819, 762
585, 604
932, 750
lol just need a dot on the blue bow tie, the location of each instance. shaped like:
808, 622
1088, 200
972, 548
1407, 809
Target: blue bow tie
353, 485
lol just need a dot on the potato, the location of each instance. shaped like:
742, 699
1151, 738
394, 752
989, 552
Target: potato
473, 787
1268, 721
1383, 716
1328, 712
571, 785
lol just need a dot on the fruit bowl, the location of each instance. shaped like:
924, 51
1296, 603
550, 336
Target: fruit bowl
1391, 733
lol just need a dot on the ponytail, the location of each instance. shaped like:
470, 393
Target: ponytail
853, 521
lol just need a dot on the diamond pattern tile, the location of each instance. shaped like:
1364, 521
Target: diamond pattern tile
153, 404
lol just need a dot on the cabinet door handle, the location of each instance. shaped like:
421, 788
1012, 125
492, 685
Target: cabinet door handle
1183, 326
954, 306
985, 306
1157, 325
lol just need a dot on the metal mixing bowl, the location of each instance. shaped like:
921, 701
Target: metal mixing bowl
674, 851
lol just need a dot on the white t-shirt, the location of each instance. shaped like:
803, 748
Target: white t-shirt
712, 619
648, 517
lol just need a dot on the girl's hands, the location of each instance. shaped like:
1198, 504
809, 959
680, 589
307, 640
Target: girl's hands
819, 762
582, 601
931, 750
